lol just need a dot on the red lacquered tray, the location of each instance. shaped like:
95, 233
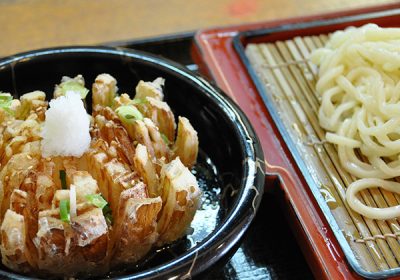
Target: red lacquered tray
217, 57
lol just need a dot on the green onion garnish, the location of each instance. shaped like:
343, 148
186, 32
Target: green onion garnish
72, 85
63, 179
5, 102
5, 97
128, 112
64, 210
138, 101
97, 200
108, 214
164, 137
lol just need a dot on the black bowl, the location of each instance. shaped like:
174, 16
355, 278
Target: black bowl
230, 166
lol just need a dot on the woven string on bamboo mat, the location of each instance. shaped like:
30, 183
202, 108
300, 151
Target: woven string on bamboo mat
289, 78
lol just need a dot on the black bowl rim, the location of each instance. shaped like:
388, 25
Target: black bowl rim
238, 219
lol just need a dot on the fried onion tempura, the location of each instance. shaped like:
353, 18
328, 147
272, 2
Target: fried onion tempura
130, 192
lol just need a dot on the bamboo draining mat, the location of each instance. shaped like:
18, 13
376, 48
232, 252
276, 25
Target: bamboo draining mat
288, 78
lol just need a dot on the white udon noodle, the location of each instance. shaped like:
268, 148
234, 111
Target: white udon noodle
359, 84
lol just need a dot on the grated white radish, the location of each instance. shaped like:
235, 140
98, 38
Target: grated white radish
66, 128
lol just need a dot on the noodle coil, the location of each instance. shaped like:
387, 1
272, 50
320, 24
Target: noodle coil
359, 86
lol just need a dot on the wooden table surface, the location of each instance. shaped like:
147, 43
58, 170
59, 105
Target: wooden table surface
32, 24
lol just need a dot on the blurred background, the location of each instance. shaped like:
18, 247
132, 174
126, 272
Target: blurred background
33, 24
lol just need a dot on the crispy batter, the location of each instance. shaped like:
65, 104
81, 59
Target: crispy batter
181, 198
187, 143
150, 89
147, 170
161, 115
136, 226
104, 90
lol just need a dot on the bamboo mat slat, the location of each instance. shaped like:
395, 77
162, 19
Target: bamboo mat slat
288, 78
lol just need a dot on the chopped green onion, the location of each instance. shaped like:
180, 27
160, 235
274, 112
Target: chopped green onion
108, 214
164, 137
129, 112
63, 179
5, 97
138, 101
5, 102
64, 210
73, 85
97, 200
